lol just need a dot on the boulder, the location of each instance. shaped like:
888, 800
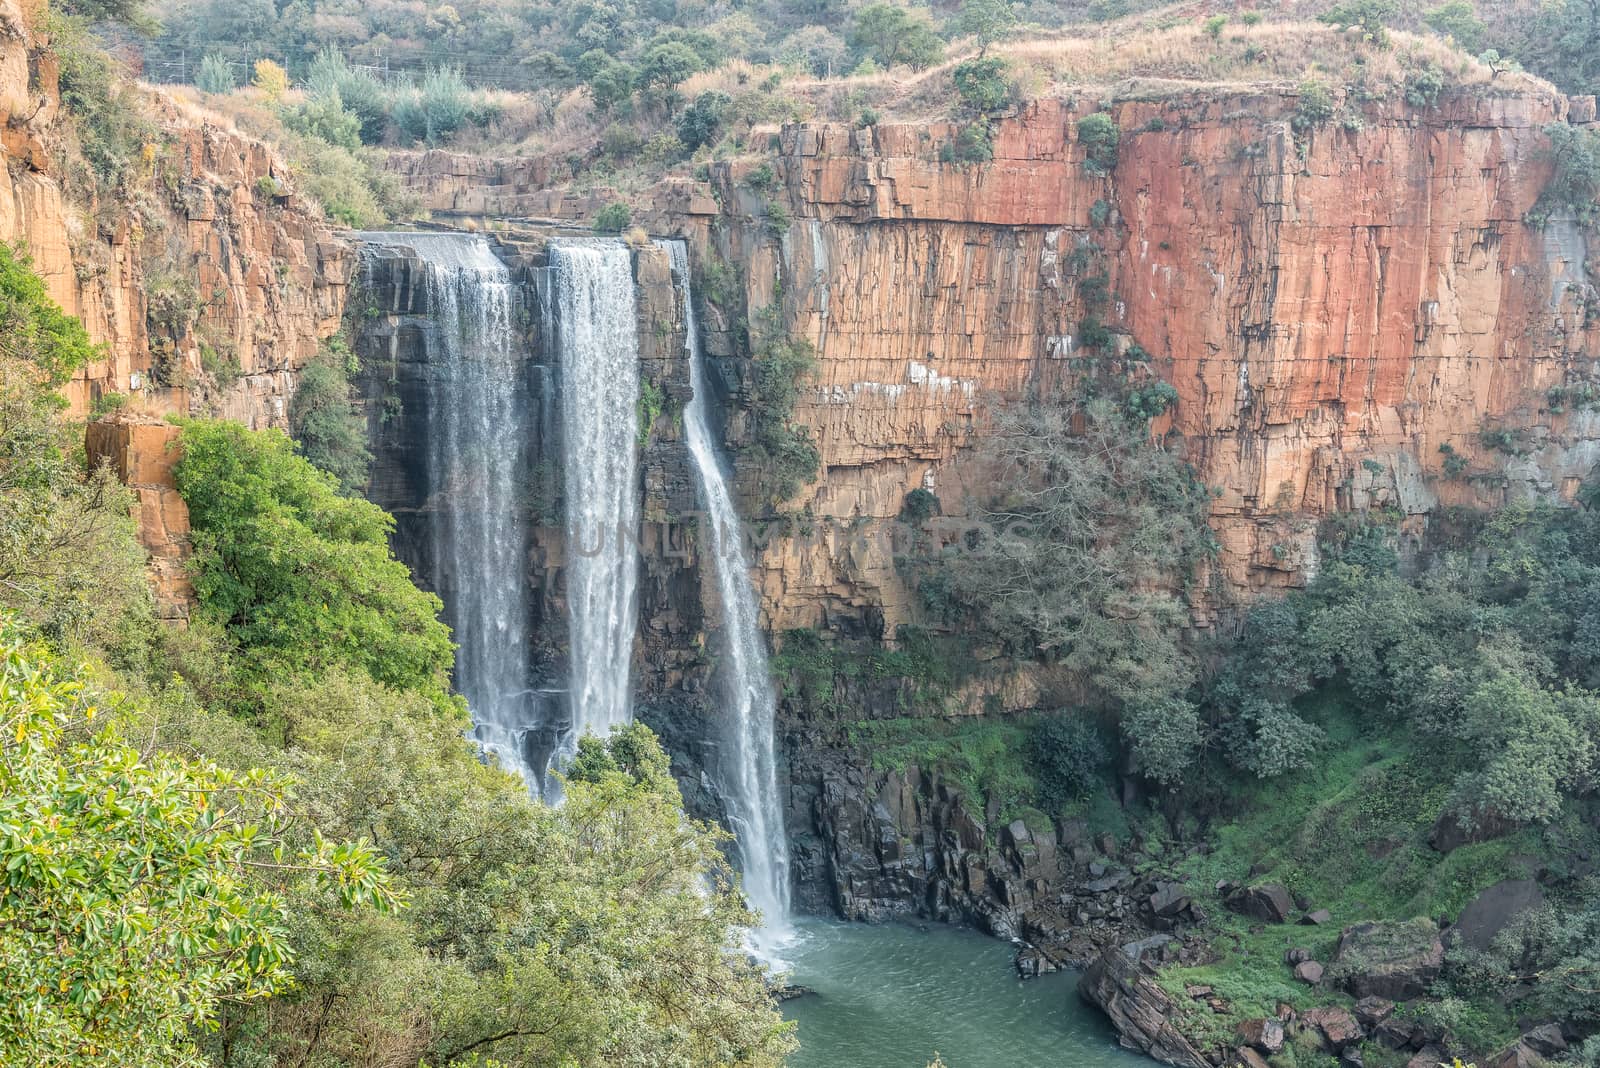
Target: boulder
1398, 961
1316, 918
1546, 1039
1168, 899
1308, 971
1269, 901
1139, 1009
1398, 1032
1373, 1011
1249, 1058
1493, 910
1296, 955
1263, 1033
1518, 1055
1429, 1057
1333, 1025
1351, 1058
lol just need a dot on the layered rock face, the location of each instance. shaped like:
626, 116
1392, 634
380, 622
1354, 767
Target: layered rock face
1352, 317
210, 294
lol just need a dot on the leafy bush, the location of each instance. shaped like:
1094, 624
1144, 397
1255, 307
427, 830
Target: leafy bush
920, 504
1423, 86
106, 111
1314, 107
357, 91
298, 573
323, 116
326, 421
132, 896
1098, 134
1456, 20
1214, 25
613, 218
1574, 184
271, 79
1071, 755
33, 328
1370, 15
981, 85
782, 455
972, 144
701, 122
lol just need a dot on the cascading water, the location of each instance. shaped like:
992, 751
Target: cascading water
477, 452
598, 355
750, 779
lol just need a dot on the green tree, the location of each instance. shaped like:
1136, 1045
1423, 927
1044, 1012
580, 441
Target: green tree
891, 35
436, 109
1372, 16
986, 21
609, 81
133, 901
216, 75
357, 91
667, 64
326, 421
300, 576
1456, 20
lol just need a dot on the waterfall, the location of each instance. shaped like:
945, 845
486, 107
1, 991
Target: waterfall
477, 453
750, 779
598, 355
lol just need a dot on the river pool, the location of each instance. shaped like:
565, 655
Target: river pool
890, 996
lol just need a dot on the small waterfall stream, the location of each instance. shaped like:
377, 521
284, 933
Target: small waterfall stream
598, 357
749, 777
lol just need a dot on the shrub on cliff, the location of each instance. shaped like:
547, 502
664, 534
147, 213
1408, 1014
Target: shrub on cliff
613, 218
981, 84
783, 457
1574, 186
327, 423
1098, 134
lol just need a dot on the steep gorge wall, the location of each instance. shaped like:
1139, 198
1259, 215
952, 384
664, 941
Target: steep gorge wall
1331, 307
207, 207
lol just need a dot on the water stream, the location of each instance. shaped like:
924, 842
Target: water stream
892, 996
748, 777
598, 356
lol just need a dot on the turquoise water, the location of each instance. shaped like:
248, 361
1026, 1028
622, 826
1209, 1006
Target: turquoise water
891, 996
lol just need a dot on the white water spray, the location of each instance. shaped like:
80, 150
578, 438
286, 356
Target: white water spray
749, 778
476, 452
598, 355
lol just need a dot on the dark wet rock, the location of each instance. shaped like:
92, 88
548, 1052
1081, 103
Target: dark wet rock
791, 991
1269, 902
1125, 990
1264, 1033
1398, 961
1493, 910
1450, 834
